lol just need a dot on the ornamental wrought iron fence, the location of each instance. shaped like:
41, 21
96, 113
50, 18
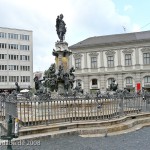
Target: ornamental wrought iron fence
63, 109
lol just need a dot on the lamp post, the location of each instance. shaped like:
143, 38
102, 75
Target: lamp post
10, 135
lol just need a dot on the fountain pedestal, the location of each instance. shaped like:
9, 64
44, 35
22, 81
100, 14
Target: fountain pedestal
62, 54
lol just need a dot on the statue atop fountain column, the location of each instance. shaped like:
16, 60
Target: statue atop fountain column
60, 27
60, 76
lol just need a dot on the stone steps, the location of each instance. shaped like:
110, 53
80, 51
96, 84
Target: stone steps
87, 128
126, 126
105, 134
90, 127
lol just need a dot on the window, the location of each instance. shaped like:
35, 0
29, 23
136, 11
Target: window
128, 80
28, 78
110, 80
25, 78
146, 58
24, 47
94, 81
3, 45
13, 78
24, 57
13, 67
78, 63
28, 68
12, 36
147, 79
24, 37
2, 35
93, 62
13, 46
25, 68
3, 67
15, 57
128, 60
3, 78
110, 60
3, 56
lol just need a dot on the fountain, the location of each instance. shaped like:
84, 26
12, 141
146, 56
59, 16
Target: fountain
60, 77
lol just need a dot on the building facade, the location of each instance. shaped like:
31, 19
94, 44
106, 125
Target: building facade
16, 58
123, 57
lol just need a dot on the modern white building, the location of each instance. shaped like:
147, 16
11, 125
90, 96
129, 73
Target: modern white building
16, 58
123, 57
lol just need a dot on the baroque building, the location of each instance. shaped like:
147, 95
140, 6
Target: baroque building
16, 58
123, 57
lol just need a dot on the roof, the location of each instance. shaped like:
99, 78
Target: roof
116, 38
15, 29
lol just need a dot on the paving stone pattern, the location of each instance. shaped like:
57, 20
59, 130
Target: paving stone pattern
138, 140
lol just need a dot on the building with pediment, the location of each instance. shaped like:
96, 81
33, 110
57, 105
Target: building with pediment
123, 57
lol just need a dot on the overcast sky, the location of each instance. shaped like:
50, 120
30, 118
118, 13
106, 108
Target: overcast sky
83, 18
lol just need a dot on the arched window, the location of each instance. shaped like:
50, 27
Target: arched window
94, 81
146, 79
129, 80
110, 81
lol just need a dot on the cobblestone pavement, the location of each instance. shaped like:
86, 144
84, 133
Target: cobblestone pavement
138, 140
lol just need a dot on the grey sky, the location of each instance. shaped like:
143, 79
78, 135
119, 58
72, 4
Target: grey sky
83, 18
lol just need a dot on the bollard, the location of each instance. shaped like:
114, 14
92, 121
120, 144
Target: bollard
9, 133
9, 125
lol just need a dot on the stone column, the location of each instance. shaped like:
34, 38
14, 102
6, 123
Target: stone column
85, 60
136, 56
119, 58
120, 81
137, 65
102, 68
102, 83
101, 59
119, 67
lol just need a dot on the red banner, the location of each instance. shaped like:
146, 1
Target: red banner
138, 86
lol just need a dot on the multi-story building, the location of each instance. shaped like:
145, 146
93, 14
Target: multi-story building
16, 58
123, 57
